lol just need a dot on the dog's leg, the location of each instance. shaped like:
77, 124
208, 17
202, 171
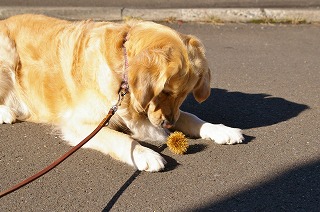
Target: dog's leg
11, 106
8, 59
6, 115
197, 128
118, 145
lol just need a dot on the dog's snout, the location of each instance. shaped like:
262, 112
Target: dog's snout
167, 124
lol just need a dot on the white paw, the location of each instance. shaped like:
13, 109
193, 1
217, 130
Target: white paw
221, 134
6, 115
147, 159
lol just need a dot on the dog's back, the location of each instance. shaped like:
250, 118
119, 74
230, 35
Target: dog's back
40, 58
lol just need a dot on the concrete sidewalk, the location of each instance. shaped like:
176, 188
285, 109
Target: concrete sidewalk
204, 11
143, 4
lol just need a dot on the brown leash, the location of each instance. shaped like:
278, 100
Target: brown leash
123, 91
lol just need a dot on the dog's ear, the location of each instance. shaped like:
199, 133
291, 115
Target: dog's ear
202, 89
146, 75
199, 64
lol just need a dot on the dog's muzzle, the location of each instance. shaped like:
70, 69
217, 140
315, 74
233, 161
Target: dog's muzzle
167, 124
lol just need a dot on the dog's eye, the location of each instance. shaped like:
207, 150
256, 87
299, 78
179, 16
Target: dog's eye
167, 93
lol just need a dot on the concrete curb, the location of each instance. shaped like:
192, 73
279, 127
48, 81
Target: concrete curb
227, 15
286, 15
71, 13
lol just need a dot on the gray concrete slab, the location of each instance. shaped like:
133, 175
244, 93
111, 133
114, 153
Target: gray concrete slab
265, 80
306, 11
166, 3
209, 15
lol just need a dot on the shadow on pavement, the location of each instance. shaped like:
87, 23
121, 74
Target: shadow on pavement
295, 190
121, 190
243, 110
171, 164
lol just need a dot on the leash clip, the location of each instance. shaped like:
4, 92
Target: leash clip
124, 89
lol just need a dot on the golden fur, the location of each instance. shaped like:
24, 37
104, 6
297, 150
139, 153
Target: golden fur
68, 74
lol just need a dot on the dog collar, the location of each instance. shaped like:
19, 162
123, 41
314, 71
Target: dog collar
124, 83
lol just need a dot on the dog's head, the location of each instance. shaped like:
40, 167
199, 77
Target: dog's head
164, 67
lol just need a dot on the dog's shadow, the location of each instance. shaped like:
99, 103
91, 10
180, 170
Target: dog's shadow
243, 110
234, 109
237, 109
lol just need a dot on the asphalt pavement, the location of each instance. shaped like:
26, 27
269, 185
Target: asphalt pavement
265, 81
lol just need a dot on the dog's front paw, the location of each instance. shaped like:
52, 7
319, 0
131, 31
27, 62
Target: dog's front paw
147, 159
6, 115
221, 134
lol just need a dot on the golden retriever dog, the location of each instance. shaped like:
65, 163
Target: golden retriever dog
68, 74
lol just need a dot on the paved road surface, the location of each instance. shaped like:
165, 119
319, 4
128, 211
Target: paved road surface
265, 80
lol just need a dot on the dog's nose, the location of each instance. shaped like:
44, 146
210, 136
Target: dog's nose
167, 124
